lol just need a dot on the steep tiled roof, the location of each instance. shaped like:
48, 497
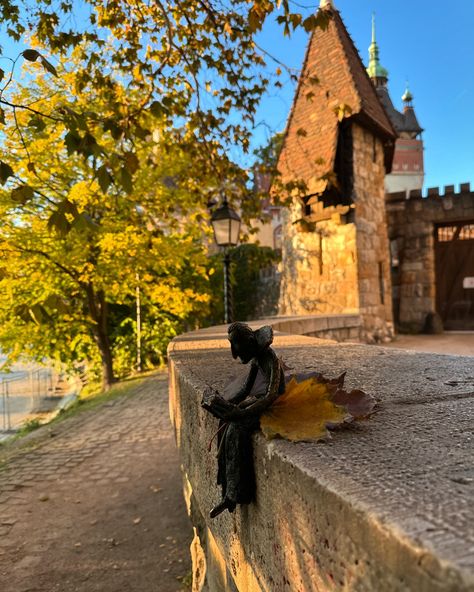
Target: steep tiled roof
312, 130
402, 122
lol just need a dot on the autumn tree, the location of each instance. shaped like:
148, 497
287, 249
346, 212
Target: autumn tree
192, 62
111, 155
76, 246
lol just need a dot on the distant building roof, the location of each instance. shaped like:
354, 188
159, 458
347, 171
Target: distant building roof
333, 83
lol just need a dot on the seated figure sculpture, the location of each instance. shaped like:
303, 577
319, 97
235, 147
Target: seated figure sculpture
239, 414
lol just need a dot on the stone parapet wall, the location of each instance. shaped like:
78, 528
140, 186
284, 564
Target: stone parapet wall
386, 504
411, 220
339, 328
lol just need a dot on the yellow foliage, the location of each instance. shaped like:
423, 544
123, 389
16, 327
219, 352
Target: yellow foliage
85, 194
303, 412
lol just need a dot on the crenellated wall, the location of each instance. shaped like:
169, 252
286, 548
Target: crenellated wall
412, 218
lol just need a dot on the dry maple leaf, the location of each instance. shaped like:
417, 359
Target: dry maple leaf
310, 405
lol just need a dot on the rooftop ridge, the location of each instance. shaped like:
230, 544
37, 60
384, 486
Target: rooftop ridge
384, 123
311, 134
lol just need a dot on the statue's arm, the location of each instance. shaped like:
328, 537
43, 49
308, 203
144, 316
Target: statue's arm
222, 408
243, 392
255, 406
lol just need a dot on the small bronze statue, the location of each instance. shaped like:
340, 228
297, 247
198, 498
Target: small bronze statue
239, 414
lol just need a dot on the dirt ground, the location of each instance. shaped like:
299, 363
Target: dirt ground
94, 503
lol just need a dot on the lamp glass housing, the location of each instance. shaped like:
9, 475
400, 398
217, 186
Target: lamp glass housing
226, 225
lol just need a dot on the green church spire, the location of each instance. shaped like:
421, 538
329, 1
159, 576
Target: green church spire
375, 70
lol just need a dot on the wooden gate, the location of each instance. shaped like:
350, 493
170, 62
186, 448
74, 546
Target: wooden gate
454, 256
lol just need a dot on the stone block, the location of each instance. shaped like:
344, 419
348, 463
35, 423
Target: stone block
386, 505
447, 203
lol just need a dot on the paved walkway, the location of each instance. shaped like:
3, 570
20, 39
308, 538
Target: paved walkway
461, 344
94, 504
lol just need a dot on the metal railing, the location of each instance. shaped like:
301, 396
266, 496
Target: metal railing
22, 395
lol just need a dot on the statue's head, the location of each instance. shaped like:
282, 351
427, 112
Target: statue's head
246, 343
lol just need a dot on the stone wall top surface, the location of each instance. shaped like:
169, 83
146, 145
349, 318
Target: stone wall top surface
403, 480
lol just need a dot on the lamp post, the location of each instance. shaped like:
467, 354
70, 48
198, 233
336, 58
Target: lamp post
226, 225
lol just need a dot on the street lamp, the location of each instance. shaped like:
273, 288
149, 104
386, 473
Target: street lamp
226, 225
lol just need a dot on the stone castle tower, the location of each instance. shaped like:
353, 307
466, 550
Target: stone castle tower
338, 146
407, 168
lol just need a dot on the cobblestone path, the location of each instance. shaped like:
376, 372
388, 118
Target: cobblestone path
95, 502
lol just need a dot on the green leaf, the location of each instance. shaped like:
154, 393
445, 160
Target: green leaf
5, 172
49, 67
83, 222
322, 19
73, 141
115, 130
104, 178
68, 207
55, 302
39, 314
22, 194
125, 179
37, 123
31, 55
142, 132
157, 109
131, 162
58, 222
23, 312
295, 19
89, 146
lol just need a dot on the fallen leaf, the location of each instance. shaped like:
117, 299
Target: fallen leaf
310, 405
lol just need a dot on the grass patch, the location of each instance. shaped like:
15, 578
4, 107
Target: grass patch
29, 426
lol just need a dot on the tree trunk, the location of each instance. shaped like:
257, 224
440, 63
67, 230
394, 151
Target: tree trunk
98, 311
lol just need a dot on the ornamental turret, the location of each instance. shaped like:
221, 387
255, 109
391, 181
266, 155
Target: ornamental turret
407, 168
377, 73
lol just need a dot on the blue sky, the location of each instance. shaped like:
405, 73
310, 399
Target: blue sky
430, 44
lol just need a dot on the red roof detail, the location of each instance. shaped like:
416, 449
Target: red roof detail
310, 142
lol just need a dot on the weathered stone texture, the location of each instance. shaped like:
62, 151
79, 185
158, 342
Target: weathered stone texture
386, 504
343, 267
374, 285
319, 270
